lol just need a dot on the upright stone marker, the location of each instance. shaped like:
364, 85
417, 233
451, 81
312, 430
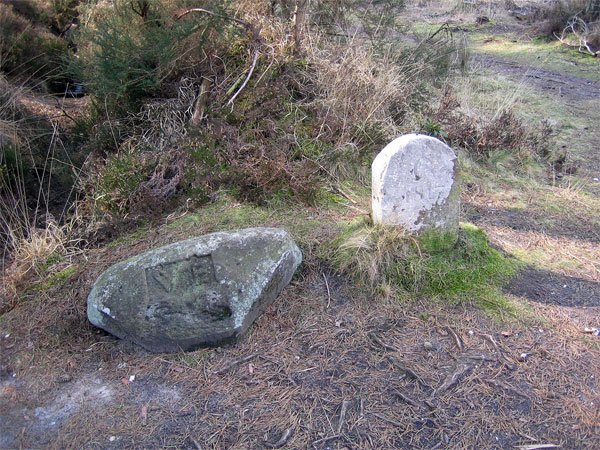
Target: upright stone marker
414, 184
200, 292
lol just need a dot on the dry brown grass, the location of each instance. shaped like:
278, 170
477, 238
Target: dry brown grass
355, 88
29, 235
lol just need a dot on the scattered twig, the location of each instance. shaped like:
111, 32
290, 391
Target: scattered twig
235, 363
385, 346
451, 380
326, 439
506, 387
385, 419
491, 340
457, 339
409, 372
328, 291
345, 405
536, 446
285, 436
408, 400
195, 442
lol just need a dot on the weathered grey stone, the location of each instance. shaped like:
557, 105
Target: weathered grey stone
203, 291
414, 184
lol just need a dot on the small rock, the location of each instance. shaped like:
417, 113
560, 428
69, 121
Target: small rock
427, 345
64, 378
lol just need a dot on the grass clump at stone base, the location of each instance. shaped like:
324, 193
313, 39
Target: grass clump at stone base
390, 261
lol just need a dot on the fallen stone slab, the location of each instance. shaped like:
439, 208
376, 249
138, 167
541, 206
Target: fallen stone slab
415, 186
204, 291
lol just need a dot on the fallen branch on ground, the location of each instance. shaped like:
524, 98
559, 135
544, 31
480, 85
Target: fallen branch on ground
408, 371
457, 339
326, 439
232, 364
581, 30
451, 380
285, 436
408, 400
385, 419
506, 387
377, 340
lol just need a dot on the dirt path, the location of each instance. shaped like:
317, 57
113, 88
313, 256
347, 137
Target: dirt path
567, 235
570, 89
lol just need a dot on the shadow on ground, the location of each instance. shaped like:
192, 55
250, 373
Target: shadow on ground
551, 288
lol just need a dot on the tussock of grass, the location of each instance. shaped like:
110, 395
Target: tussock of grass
390, 261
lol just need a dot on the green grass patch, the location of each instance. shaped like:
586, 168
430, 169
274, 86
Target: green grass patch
544, 259
302, 222
54, 279
129, 239
389, 261
538, 53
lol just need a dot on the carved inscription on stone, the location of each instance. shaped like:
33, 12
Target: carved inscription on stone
181, 276
186, 287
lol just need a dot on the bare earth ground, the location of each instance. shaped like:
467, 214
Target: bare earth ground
327, 366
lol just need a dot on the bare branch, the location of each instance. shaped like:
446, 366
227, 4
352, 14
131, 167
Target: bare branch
251, 28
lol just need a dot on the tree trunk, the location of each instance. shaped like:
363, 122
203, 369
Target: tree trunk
298, 22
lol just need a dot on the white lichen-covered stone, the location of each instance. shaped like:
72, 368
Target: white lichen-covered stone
414, 184
199, 292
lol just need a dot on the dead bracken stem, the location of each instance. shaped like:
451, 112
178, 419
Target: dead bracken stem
328, 291
237, 362
285, 436
345, 405
457, 340
461, 370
